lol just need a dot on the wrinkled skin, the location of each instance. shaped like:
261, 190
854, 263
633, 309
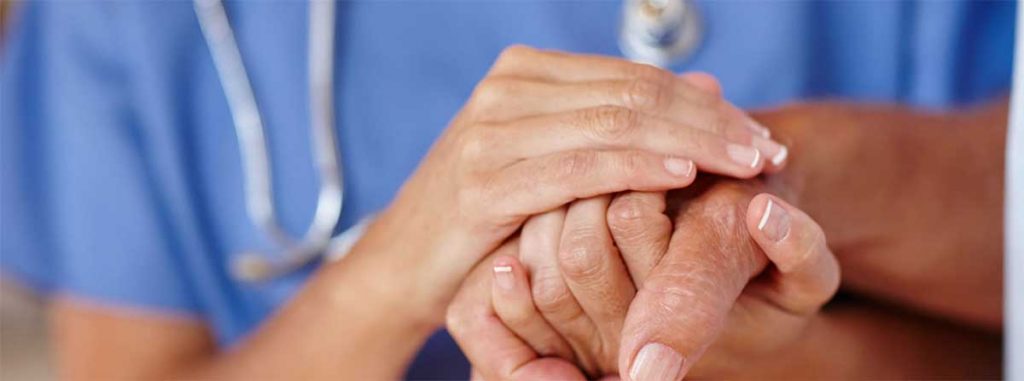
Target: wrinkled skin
702, 269
715, 272
708, 262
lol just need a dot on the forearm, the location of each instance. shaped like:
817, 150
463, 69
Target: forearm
356, 319
864, 341
911, 201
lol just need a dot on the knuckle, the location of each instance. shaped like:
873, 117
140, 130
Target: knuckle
515, 52
457, 320
648, 73
511, 58
550, 294
691, 293
711, 83
633, 163
626, 216
610, 123
645, 95
490, 92
576, 164
471, 150
476, 142
581, 257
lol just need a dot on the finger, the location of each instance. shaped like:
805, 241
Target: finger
683, 304
776, 153
614, 127
527, 62
807, 274
710, 84
504, 99
595, 274
514, 98
554, 66
551, 295
641, 230
513, 303
495, 352
536, 185
703, 81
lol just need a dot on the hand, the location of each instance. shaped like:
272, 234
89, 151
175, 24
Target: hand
633, 217
672, 330
898, 190
541, 130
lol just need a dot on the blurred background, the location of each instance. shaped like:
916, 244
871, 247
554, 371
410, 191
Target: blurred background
23, 343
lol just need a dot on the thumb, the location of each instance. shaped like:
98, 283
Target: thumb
681, 307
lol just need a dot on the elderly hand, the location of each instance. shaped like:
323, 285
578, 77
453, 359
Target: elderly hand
543, 129
691, 286
710, 305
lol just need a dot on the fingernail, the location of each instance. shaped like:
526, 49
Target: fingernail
503, 277
776, 152
774, 222
678, 167
743, 155
656, 362
781, 156
760, 129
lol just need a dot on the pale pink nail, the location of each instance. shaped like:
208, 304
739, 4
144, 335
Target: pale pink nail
656, 362
774, 222
743, 155
678, 167
780, 157
775, 152
760, 129
503, 277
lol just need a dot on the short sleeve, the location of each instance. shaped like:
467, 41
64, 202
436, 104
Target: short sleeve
81, 211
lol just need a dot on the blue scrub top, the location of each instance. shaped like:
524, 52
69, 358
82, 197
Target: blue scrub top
121, 173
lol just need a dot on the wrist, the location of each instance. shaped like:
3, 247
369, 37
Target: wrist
382, 268
420, 259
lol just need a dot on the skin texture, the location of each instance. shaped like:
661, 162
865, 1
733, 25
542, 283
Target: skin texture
908, 162
690, 285
889, 184
912, 172
868, 233
540, 130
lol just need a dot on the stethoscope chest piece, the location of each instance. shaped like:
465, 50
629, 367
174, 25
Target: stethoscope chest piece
659, 32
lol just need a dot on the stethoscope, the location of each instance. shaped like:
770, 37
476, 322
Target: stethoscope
658, 32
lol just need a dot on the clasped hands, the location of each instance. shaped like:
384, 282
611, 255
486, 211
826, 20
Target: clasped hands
644, 284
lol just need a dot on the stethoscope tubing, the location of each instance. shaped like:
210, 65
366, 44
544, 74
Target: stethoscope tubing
646, 24
251, 135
